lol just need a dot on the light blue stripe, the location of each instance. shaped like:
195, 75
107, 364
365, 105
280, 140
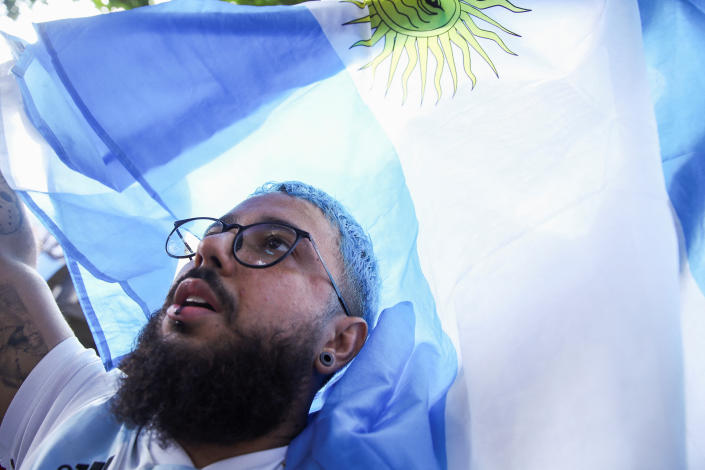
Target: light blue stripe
96, 328
674, 41
138, 71
90, 119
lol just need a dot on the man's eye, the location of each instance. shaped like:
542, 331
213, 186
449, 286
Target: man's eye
274, 243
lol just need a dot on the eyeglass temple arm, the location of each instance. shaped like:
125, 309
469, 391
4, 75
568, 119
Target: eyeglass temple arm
330, 276
178, 232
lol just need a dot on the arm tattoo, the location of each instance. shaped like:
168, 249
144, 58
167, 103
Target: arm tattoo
10, 210
21, 345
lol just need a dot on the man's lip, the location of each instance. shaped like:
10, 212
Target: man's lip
194, 287
188, 315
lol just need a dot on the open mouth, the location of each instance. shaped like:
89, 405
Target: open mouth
194, 301
194, 292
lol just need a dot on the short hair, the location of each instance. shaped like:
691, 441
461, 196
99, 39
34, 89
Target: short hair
361, 283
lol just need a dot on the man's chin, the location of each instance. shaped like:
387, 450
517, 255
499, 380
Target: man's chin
201, 334
192, 388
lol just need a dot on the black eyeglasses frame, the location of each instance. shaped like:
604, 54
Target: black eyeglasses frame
242, 228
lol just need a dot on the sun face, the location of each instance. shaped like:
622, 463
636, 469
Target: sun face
418, 27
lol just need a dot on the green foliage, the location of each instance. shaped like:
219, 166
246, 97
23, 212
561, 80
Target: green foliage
12, 9
266, 2
120, 4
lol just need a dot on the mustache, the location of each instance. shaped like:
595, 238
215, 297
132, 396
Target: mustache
211, 278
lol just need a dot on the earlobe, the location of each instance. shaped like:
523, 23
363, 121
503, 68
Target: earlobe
327, 358
349, 337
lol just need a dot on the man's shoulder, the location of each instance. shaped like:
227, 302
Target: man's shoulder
92, 438
87, 438
68, 379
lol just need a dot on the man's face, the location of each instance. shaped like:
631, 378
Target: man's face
293, 292
238, 367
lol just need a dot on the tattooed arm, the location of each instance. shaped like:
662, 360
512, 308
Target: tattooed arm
30, 321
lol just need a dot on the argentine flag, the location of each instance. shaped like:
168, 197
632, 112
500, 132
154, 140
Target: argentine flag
542, 269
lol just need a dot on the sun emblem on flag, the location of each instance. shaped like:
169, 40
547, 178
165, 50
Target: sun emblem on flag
420, 26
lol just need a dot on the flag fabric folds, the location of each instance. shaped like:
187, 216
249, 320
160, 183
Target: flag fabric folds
246, 117
503, 156
674, 36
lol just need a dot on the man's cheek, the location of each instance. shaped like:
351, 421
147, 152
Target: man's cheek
182, 268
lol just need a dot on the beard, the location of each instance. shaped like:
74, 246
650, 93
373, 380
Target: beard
233, 390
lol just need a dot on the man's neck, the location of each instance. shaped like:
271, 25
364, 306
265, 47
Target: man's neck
205, 454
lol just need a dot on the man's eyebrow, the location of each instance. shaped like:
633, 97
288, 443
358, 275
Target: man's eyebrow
276, 220
270, 219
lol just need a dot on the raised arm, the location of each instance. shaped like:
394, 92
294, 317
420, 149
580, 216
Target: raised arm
30, 321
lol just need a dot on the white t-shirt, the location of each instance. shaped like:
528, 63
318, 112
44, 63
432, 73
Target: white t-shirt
60, 420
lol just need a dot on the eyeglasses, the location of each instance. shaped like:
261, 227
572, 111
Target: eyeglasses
257, 246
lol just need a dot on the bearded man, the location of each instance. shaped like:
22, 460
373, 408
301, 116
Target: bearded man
272, 302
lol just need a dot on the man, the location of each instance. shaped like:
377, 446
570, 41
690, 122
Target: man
271, 303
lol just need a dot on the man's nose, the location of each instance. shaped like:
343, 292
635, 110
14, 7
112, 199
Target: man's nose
216, 252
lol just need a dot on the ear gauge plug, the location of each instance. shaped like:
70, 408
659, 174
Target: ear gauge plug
326, 358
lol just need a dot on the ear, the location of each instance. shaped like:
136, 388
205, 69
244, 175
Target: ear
349, 335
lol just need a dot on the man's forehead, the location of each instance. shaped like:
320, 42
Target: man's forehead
278, 207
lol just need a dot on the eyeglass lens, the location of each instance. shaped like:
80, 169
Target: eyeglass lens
264, 244
257, 245
183, 240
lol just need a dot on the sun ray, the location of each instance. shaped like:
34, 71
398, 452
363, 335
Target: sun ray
491, 35
396, 55
438, 54
423, 63
376, 20
462, 43
465, 32
378, 34
410, 47
386, 52
364, 19
359, 4
480, 14
482, 4
448, 52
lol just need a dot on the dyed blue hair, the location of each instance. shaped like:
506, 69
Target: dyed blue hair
361, 284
